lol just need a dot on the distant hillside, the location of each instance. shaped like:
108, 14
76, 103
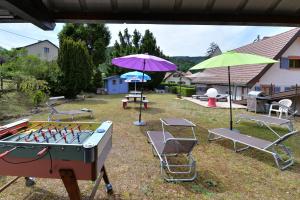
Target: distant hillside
184, 63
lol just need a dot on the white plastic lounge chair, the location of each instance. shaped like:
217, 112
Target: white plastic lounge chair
165, 146
257, 143
72, 113
281, 107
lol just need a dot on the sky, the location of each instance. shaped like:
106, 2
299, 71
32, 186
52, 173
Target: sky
174, 40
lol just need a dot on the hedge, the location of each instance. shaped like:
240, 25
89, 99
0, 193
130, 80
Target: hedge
173, 89
185, 91
175, 84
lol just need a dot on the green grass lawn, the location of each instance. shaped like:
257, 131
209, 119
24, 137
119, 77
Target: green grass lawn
135, 173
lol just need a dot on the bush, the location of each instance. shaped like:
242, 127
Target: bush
38, 97
186, 91
35, 89
173, 89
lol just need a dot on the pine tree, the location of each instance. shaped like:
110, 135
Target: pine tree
96, 38
133, 44
76, 66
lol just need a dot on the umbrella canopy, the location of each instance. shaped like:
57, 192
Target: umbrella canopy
144, 62
232, 58
135, 76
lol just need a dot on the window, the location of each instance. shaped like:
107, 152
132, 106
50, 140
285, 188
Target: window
294, 63
114, 82
120, 81
46, 50
291, 62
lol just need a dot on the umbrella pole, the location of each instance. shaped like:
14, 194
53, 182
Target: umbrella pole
141, 101
230, 103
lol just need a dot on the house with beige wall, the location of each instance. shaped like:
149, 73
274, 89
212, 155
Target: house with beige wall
45, 50
174, 77
271, 78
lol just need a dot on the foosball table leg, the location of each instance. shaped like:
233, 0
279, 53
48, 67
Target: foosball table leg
108, 186
70, 182
29, 181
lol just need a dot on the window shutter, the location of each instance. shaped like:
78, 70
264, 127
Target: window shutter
287, 89
257, 88
284, 63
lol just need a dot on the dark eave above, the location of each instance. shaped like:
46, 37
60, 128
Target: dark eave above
44, 13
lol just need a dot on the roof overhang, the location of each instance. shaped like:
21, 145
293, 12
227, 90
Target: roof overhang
44, 13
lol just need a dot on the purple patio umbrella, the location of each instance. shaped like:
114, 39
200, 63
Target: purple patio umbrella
144, 63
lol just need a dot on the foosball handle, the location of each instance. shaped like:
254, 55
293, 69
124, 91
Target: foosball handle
42, 152
6, 152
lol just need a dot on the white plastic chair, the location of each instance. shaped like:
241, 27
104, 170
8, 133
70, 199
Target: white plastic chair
281, 107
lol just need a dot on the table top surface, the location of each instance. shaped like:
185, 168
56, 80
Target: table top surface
177, 122
135, 96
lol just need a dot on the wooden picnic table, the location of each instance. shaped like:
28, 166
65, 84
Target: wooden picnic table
135, 92
134, 97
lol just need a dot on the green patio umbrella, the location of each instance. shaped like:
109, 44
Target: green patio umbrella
229, 59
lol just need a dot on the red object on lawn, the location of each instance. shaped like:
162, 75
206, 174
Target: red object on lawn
212, 102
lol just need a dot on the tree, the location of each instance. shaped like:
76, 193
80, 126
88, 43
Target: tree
96, 37
133, 44
76, 66
213, 47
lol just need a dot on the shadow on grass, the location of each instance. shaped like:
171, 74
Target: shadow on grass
258, 155
39, 193
150, 110
207, 183
151, 125
88, 102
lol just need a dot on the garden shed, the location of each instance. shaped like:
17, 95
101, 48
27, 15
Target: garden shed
115, 85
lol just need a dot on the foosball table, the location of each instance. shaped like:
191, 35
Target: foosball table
62, 150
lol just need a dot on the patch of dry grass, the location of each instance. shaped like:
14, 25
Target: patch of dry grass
134, 171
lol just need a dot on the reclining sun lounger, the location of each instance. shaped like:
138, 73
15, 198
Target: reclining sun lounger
72, 113
257, 143
165, 146
267, 121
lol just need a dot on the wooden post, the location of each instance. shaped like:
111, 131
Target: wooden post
296, 90
1, 85
70, 182
271, 90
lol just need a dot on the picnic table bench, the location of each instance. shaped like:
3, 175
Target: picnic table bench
134, 97
125, 103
